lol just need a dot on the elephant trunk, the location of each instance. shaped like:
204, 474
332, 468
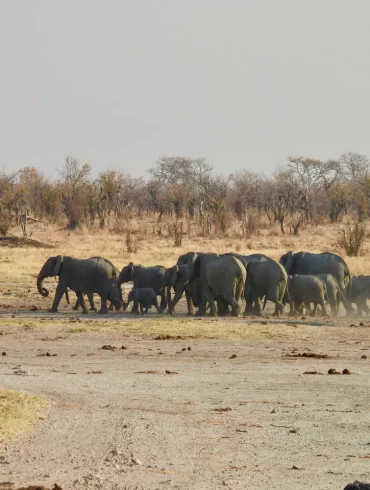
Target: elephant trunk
43, 291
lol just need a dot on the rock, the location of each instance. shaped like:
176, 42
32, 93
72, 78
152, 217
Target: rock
346, 371
136, 461
234, 356
189, 348
3, 353
357, 486
364, 357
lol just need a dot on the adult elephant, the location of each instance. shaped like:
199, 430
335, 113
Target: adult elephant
146, 277
265, 279
90, 296
219, 278
191, 285
94, 275
307, 263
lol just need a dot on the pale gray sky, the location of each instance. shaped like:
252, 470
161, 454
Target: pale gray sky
243, 83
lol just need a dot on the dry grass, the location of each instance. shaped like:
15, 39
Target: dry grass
18, 412
20, 264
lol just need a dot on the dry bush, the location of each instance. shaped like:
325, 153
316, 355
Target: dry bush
175, 231
132, 244
6, 220
119, 227
352, 238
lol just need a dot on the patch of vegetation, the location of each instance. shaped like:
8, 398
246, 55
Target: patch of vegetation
18, 411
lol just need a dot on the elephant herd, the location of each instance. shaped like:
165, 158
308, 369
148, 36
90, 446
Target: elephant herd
216, 282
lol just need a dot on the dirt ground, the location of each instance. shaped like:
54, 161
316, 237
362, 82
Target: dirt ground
188, 403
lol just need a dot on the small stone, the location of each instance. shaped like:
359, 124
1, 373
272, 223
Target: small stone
234, 356
189, 348
3, 353
136, 461
346, 371
364, 357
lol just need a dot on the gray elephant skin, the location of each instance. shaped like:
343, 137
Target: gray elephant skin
360, 293
219, 278
95, 275
306, 289
90, 296
307, 263
335, 295
269, 279
192, 288
147, 277
180, 279
144, 298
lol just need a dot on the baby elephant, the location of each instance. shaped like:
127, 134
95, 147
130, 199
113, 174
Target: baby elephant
307, 289
143, 297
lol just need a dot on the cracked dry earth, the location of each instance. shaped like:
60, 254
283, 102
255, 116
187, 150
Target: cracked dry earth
228, 413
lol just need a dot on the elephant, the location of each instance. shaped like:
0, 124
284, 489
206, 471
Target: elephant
94, 275
90, 296
323, 263
143, 297
180, 282
219, 278
146, 277
305, 289
268, 279
335, 295
193, 286
360, 293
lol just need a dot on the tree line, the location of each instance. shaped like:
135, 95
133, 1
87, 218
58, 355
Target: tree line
301, 191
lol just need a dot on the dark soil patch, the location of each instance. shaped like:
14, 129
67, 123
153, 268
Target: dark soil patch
22, 242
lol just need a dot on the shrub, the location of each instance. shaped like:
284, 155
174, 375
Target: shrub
132, 244
6, 220
352, 238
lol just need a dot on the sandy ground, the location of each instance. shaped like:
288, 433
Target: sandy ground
117, 420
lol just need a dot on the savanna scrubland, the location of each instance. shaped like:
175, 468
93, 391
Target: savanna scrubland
173, 401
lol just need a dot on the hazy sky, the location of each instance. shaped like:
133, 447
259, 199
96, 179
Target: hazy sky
243, 83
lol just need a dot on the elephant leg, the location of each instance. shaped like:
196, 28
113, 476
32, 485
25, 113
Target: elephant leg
169, 300
103, 308
323, 307
189, 303
163, 304
60, 290
176, 299
91, 301
75, 307
258, 306
292, 307
235, 307
81, 300
334, 307
207, 297
141, 306
313, 312
135, 308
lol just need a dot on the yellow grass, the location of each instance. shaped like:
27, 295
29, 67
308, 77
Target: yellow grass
19, 264
18, 412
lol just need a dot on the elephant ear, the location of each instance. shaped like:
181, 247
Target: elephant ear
58, 265
287, 261
171, 275
196, 267
193, 259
